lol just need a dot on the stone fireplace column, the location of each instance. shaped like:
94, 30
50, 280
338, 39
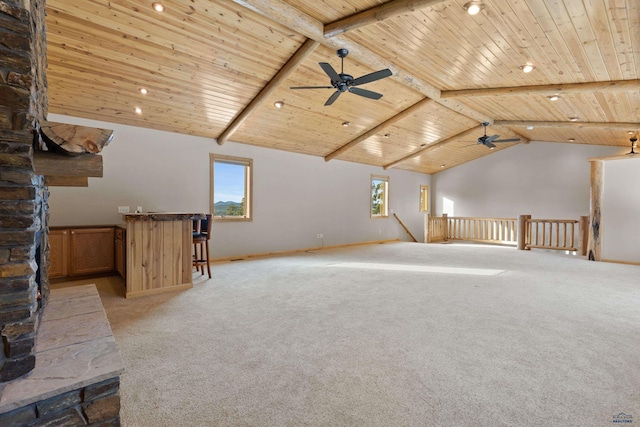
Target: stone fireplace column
23, 196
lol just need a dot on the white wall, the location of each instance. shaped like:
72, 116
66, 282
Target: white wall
295, 196
620, 210
546, 180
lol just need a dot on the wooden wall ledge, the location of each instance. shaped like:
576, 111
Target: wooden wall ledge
59, 165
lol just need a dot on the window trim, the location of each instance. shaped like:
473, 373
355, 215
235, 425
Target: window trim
248, 183
385, 202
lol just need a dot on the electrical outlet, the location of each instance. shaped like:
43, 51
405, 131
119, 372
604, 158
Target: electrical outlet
123, 209
319, 236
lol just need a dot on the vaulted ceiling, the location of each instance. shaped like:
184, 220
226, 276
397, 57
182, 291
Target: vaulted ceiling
216, 68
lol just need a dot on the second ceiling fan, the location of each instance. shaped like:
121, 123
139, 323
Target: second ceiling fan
345, 82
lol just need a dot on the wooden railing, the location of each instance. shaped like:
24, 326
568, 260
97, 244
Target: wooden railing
489, 230
435, 228
558, 234
526, 233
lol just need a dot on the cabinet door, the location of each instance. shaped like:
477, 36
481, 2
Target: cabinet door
58, 253
92, 251
120, 252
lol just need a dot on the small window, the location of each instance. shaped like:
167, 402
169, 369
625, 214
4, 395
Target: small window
379, 196
424, 198
231, 188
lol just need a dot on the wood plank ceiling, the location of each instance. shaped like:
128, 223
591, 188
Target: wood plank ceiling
216, 68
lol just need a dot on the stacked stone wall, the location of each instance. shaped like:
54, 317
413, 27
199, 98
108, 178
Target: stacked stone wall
23, 195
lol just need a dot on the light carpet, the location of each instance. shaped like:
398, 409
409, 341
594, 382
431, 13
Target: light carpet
399, 334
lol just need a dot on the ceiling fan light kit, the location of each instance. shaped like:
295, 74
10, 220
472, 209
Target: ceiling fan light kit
345, 82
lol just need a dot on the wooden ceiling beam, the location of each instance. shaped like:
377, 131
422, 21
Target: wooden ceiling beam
432, 147
579, 125
301, 54
559, 89
461, 135
405, 113
375, 14
281, 12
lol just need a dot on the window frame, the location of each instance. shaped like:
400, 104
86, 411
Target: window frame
248, 186
384, 210
424, 198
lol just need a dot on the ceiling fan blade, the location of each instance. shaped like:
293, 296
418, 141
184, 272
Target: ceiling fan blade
366, 93
507, 140
377, 75
332, 98
491, 138
489, 144
311, 87
333, 75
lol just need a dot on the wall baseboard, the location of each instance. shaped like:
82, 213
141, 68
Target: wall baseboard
620, 262
295, 251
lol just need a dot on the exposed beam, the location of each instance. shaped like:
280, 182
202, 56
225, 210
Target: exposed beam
301, 54
284, 14
378, 13
405, 113
52, 164
279, 11
559, 89
454, 138
432, 147
579, 125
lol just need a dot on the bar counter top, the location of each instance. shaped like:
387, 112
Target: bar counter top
162, 216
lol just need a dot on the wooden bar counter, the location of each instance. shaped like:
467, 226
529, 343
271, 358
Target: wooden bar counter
159, 252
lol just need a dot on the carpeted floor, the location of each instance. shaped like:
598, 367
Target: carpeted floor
398, 334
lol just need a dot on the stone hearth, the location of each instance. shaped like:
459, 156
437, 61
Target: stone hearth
76, 376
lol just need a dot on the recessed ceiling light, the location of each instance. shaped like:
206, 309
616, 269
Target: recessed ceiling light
138, 110
387, 135
442, 165
572, 140
529, 127
574, 118
278, 104
423, 145
473, 7
527, 68
157, 6
553, 97
345, 124
143, 91
630, 132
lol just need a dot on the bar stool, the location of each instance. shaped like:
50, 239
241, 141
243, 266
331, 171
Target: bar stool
201, 235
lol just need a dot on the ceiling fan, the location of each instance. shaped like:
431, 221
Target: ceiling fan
345, 82
488, 141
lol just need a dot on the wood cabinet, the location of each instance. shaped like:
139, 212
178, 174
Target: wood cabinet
120, 251
58, 253
91, 251
81, 251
